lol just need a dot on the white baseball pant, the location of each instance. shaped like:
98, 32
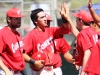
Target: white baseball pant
55, 71
3, 73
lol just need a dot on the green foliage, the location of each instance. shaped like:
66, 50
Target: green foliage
75, 4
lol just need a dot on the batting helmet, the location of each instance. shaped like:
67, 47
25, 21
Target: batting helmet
48, 17
84, 15
37, 56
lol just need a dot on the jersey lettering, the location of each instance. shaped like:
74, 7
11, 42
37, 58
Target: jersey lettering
16, 46
95, 38
46, 43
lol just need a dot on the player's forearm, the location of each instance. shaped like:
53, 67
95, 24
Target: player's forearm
85, 59
68, 57
71, 25
94, 15
3, 67
73, 28
26, 57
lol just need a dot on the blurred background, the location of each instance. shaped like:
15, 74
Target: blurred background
52, 8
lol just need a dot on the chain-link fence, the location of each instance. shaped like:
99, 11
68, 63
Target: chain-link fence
4, 6
26, 8
29, 6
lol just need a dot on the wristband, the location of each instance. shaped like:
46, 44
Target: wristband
31, 61
64, 20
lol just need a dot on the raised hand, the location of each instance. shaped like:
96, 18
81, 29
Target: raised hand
64, 12
89, 4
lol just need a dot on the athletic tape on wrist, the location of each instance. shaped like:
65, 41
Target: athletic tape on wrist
64, 20
32, 61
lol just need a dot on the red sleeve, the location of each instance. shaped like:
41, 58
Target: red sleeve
64, 46
84, 41
1, 43
59, 31
28, 43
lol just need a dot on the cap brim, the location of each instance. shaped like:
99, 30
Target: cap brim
75, 14
20, 16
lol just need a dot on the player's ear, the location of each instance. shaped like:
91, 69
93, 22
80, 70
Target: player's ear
35, 22
8, 19
81, 20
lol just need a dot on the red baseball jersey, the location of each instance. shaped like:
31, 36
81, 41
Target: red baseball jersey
43, 42
93, 65
86, 39
11, 49
61, 46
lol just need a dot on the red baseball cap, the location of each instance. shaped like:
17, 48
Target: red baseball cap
14, 12
84, 15
48, 17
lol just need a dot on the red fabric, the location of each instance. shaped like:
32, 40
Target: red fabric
62, 47
10, 52
43, 41
93, 64
84, 15
84, 41
92, 74
14, 12
88, 39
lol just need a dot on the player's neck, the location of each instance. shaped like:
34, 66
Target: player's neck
13, 30
39, 29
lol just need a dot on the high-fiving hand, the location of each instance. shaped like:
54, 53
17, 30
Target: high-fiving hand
64, 12
89, 4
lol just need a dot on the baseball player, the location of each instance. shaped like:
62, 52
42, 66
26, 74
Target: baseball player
41, 39
61, 47
82, 24
11, 45
93, 67
87, 39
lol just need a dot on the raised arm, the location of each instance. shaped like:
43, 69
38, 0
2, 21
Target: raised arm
94, 15
65, 14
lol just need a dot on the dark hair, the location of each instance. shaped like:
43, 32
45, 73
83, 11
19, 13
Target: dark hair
34, 13
86, 23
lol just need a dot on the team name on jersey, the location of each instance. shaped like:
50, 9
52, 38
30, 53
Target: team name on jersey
95, 38
17, 45
46, 43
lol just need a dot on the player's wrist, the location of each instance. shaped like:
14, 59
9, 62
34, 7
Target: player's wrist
31, 61
64, 20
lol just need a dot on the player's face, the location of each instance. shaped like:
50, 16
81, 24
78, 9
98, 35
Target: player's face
48, 23
78, 23
15, 23
41, 21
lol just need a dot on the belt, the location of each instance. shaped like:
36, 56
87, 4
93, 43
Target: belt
15, 72
48, 68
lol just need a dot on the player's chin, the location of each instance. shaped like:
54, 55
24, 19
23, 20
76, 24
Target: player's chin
18, 26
